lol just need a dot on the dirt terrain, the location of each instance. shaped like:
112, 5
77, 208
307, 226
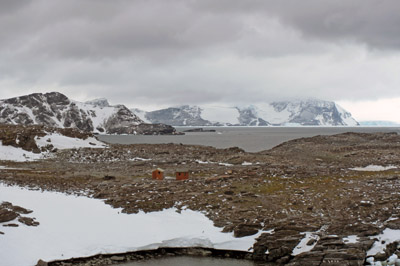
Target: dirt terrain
304, 185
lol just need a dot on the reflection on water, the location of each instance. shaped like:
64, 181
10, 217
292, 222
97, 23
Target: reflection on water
191, 261
251, 139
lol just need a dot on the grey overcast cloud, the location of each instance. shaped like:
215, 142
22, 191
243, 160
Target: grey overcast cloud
152, 54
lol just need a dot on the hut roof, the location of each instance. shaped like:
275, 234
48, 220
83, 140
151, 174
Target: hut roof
182, 170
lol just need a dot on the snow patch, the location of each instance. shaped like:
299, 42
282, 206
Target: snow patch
373, 168
302, 246
225, 164
10, 153
72, 226
388, 236
139, 159
352, 239
10, 168
201, 162
63, 142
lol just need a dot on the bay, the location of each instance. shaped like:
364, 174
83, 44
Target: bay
251, 139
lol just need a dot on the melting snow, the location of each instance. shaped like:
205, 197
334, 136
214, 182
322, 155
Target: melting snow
72, 226
350, 239
302, 246
10, 168
374, 168
225, 164
201, 162
388, 236
139, 159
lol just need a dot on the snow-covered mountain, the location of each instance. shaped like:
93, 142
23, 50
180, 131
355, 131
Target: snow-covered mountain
57, 110
309, 112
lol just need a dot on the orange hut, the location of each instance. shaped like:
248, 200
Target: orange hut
158, 174
182, 174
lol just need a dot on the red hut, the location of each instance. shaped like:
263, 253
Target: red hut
158, 174
182, 174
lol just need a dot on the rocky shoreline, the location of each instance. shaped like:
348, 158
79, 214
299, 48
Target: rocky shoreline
304, 185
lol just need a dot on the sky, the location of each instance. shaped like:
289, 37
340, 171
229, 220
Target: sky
152, 54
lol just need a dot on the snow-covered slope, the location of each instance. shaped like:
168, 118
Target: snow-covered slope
309, 112
56, 110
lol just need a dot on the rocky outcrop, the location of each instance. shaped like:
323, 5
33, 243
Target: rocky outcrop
24, 136
10, 212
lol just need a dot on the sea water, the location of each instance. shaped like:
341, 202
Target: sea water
251, 139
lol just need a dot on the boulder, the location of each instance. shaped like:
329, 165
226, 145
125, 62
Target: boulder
243, 230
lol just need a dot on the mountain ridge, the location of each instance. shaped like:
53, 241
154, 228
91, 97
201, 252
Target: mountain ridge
54, 109
309, 112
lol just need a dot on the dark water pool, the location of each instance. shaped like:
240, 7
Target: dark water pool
191, 261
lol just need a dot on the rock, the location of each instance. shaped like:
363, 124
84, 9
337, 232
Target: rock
381, 256
28, 221
243, 230
108, 177
21, 210
283, 260
279, 253
366, 203
393, 224
311, 242
10, 225
7, 215
198, 252
41, 263
117, 258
